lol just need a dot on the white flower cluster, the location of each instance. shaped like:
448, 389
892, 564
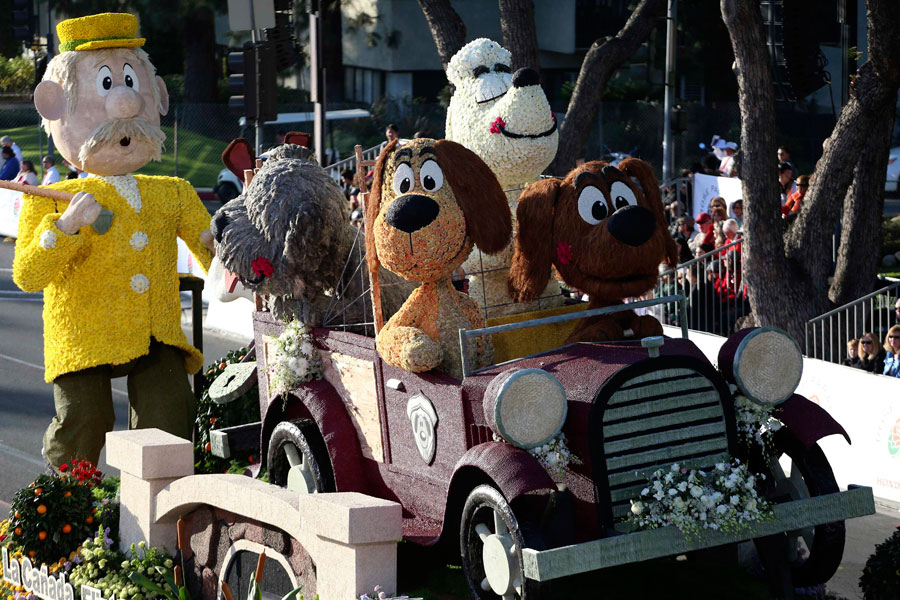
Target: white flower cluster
554, 455
755, 424
295, 361
693, 500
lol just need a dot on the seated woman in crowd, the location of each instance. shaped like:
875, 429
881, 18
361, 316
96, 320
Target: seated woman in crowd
892, 352
737, 209
871, 354
27, 175
795, 199
852, 359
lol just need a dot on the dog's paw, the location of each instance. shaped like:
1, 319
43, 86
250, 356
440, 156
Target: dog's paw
646, 326
409, 349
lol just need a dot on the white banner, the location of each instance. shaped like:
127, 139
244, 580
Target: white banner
707, 187
866, 406
10, 207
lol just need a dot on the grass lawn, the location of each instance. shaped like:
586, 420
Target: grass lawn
199, 156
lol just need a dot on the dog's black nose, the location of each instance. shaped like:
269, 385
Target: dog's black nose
524, 77
632, 225
219, 221
411, 213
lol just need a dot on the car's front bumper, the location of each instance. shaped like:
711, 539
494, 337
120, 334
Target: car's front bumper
669, 541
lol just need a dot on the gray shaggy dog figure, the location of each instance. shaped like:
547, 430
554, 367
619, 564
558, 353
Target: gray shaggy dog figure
288, 236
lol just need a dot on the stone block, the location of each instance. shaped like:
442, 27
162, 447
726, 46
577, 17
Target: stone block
204, 535
351, 518
137, 519
348, 571
150, 454
210, 584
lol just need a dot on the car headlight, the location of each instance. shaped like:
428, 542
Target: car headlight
764, 362
525, 407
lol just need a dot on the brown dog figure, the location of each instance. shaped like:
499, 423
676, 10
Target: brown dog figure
430, 201
604, 230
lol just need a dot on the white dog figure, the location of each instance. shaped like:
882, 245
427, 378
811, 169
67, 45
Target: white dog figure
506, 120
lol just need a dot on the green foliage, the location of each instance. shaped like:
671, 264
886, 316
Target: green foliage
108, 570
50, 517
566, 90
890, 236
16, 75
212, 416
881, 576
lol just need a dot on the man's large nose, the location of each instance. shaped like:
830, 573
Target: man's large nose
122, 102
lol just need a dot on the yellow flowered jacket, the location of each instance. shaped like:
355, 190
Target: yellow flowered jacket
106, 295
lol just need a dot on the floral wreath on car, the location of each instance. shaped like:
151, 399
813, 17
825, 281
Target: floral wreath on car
295, 361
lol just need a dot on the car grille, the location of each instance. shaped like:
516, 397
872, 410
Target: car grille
656, 419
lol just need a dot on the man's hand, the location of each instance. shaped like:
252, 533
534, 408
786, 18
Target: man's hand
206, 238
82, 211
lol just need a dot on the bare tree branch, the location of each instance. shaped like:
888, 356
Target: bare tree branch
447, 28
603, 58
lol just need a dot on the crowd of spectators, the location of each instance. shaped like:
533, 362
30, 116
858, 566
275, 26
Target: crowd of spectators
876, 356
17, 169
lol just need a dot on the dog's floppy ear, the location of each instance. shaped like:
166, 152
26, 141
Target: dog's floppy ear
373, 206
643, 172
533, 257
238, 156
478, 193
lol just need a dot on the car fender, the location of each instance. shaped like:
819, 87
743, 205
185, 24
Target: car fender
807, 420
512, 470
319, 401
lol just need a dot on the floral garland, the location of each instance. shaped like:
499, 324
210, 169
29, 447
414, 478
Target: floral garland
755, 423
555, 455
693, 500
296, 360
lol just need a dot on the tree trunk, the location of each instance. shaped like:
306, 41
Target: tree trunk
603, 58
200, 68
859, 257
447, 28
787, 271
519, 33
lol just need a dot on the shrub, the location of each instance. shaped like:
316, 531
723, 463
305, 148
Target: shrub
50, 517
880, 579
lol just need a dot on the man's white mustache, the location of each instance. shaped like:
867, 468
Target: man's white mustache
138, 129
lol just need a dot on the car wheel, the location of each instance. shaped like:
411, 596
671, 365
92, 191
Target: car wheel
226, 191
298, 459
491, 542
814, 553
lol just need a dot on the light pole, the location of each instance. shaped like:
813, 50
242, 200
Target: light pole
668, 147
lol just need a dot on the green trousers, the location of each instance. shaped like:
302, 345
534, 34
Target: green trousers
159, 395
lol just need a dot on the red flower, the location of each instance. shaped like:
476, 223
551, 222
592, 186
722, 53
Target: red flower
63, 468
553, 116
497, 124
564, 253
262, 267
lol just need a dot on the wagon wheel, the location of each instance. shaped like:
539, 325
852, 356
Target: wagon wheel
814, 553
297, 458
491, 542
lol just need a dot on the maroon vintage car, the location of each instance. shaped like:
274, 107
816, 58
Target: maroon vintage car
457, 455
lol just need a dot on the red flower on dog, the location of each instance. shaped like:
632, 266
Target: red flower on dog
497, 124
564, 253
262, 267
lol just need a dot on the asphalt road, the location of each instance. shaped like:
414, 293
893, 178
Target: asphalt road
26, 401
26, 407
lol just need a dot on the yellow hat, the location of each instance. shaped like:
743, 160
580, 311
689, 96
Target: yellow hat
107, 30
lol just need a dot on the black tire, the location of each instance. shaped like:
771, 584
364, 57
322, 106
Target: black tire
824, 543
300, 439
226, 191
484, 504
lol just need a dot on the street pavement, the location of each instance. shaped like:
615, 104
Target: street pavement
26, 401
26, 407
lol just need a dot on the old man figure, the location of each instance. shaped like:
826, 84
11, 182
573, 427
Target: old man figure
111, 302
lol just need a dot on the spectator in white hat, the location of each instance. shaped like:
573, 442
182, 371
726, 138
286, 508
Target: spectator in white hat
726, 166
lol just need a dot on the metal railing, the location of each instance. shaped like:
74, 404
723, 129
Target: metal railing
828, 334
335, 169
715, 291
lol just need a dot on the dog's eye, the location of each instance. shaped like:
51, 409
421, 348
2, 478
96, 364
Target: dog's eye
431, 176
622, 195
403, 178
592, 205
501, 68
480, 70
